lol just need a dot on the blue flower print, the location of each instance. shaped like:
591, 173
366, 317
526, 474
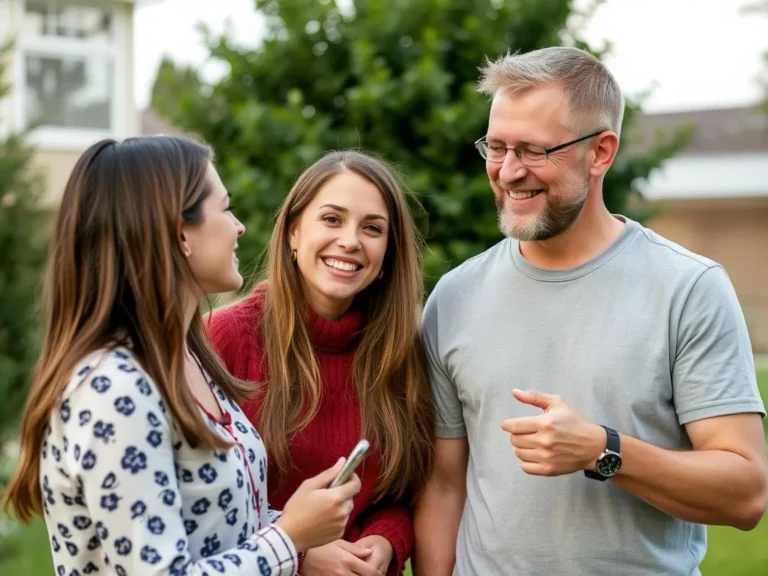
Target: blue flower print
190, 526
225, 499
110, 481
156, 525
84, 417
63, 530
60, 570
124, 405
169, 497
240, 479
207, 473
101, 384
177, 446
161, 479
143, 386
138, 509
104, 430
249, 545
201, 506
64, 411
90, 568
234, 558
109, 502
211, 546
181, 544
89, 460
94, 543
179, 566
121, 355
216, 565
153, 420
220, 456
65, 444
127, 368
231, 517
55, 546
150, 555
120, 571
264, 568
162, 407
67, 500
123, 546
56, 453
134, 460
81, 522
83, 371
187, 476
155, 438
71, 548
261, 470
101, 531
241, 427
251, 455
76, 452
243, 536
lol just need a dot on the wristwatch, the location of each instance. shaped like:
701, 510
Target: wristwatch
609, 462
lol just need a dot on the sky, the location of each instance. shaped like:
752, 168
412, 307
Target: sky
691, 54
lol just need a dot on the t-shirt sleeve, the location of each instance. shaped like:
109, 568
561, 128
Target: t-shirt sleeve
714, 371
125, 467
450, 416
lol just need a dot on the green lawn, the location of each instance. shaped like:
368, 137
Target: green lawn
730, 551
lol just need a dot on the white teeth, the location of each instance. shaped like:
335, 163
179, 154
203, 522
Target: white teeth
522, 195
339, 265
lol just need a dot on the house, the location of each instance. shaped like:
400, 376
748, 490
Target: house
71, 77
713, 199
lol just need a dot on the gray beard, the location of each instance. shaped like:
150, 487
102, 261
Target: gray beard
557, 217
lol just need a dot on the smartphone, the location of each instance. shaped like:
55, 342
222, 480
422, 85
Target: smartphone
355, 458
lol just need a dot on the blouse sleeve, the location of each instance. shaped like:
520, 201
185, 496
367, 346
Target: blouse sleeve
125, 470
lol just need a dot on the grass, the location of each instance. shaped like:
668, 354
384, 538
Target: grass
730, 551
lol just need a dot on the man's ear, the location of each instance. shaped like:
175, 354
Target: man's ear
607, 146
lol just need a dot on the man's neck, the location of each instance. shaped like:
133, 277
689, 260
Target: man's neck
591, 234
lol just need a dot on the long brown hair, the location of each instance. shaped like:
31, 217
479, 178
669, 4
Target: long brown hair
116, 268
389, 366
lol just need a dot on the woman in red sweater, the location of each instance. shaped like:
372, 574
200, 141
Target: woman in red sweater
330, 339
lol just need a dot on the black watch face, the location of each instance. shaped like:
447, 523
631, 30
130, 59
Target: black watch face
609, 464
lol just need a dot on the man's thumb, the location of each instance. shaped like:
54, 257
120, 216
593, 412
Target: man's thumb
535, 398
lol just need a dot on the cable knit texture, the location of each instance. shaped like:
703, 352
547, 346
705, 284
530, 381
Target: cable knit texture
235, 334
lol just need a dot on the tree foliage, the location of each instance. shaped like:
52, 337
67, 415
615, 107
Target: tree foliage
393, 77
22, 255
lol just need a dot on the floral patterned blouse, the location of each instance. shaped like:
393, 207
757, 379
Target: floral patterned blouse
124, 493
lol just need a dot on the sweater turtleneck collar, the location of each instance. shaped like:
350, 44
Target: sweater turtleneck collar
335, 335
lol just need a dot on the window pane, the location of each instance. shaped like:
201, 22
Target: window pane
69, 92
52, 18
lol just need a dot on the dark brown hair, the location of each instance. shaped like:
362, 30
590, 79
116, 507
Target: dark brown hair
389, 367
116, 268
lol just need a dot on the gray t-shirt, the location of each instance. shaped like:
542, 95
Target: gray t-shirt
644, 338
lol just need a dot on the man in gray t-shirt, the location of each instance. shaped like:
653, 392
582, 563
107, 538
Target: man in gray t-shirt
596, 393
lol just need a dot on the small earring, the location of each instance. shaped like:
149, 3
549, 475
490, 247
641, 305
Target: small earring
294, 255
187, 252
381, 274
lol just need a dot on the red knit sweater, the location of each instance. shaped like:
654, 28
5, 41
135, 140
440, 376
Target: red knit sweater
235, 335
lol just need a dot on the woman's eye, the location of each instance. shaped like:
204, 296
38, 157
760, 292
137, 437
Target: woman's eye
374, 229
331, 219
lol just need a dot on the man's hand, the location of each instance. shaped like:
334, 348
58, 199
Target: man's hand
381, 552
559, 441
339, 558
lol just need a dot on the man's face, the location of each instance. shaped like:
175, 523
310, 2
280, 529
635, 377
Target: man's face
535, 202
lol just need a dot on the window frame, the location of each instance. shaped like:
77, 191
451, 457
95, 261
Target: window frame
72, 137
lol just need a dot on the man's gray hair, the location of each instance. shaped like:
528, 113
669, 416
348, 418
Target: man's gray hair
593, 95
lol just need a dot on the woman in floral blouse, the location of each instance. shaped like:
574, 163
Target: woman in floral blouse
134, 448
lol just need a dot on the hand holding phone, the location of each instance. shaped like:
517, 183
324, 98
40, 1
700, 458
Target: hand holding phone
353, 461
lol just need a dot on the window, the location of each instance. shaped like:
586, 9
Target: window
69, 70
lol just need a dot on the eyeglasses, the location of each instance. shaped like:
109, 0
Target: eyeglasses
528, 154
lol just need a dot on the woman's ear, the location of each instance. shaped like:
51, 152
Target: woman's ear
183, 245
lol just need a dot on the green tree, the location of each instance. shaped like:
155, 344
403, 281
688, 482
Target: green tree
395, 77
22, 255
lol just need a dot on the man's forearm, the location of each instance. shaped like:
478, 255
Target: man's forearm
436, 526
704, 486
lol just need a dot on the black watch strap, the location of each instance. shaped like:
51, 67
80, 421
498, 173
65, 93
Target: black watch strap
613, 443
